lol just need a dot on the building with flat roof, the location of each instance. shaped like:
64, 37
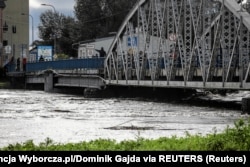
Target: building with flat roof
14, 34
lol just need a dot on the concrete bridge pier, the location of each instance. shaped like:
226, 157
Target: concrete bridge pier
48, 81
91, 93
246, 105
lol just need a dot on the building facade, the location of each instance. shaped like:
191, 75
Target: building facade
88, 49
15, 31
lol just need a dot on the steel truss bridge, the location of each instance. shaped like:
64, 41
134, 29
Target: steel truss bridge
196, 44
182, 44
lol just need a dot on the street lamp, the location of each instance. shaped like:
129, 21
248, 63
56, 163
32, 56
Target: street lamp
32, 25
55, 27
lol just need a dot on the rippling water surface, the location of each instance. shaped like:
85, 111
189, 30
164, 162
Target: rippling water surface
36, 115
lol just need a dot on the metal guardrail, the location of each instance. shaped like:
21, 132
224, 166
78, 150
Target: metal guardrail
90, 63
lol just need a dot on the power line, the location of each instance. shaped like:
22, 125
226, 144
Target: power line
102, 18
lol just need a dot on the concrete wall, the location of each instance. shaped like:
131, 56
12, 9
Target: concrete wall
1, 35
83, 50
17, 40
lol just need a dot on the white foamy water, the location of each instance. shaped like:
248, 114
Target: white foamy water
36, 115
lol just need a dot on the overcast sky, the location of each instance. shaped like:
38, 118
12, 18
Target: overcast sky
63, 6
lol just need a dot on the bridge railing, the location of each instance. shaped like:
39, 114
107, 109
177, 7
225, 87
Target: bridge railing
71, 64
89, 63
10, 67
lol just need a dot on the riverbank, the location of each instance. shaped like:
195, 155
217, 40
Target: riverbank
236, 138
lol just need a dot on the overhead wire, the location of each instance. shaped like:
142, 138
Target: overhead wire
93, 20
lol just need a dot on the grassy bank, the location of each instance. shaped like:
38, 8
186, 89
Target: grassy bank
236, 138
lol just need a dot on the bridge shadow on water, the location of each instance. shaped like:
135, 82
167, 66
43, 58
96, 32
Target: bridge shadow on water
176, 96
188, 97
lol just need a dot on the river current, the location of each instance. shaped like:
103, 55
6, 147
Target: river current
37, 115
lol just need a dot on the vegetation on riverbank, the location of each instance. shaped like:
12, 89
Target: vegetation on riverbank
235, 138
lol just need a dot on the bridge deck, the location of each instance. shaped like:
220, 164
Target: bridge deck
178, 84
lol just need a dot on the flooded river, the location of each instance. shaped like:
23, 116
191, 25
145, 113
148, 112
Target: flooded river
36, 115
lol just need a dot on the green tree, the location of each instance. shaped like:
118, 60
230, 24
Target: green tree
67, 37
50, 24
55, 25
116, 12
93, 19
89, 14
99, 18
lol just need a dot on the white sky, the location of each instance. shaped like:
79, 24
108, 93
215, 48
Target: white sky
62, 6
58, 4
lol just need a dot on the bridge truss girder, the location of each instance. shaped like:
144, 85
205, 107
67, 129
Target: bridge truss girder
187, 41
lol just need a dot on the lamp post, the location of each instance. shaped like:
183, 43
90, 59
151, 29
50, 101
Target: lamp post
54, 27
32, 25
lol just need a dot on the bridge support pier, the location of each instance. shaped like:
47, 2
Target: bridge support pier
48, 81
91, 93
246, 105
